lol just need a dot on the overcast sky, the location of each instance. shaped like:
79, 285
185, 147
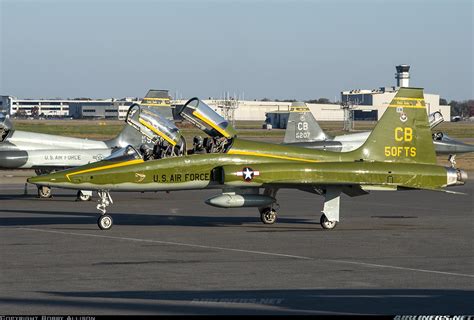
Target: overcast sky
274, 49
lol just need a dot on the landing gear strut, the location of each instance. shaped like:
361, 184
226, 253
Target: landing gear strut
268, 215
44, 192
330, 215
105, 221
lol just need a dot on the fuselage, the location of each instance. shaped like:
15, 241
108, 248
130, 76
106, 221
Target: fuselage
275, 164
25, 150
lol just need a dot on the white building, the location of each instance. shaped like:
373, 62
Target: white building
76, 108
46, 107
364, 104
371, 104
100, 109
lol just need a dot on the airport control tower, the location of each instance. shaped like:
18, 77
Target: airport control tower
403, 75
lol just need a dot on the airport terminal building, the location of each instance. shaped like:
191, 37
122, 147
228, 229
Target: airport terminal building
67, 108
81, 108
362, 104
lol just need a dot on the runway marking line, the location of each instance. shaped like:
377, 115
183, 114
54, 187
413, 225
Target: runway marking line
373, 265
169, 243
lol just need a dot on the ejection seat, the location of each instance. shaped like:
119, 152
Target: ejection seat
220, 131
161, 135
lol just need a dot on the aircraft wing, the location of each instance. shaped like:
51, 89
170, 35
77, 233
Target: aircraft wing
432, 189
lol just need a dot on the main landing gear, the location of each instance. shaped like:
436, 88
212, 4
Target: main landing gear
44, 192
326, 224
268, 215
105, 221
83, 195
329, 218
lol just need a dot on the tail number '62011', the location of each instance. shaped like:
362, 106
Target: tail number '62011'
401, 135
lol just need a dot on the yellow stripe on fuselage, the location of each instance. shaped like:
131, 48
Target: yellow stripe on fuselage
161, 134
413, 99
156, 99
210, 123
157, 105
110, 166
259, 154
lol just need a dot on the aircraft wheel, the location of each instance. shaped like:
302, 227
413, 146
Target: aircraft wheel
44, 192
268, 216
326, 224
105, 222
83, 197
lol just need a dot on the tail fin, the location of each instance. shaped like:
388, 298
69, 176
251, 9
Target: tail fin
403, 133
161, 100
302, 126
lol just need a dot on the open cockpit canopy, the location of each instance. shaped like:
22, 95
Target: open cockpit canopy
6, 126
124, 154
152, 124
435, 119
206, 119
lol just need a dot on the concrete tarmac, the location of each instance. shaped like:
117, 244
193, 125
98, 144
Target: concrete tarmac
392, 253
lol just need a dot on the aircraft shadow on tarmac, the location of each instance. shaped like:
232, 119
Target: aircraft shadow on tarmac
320, 301
34, 197
136, 219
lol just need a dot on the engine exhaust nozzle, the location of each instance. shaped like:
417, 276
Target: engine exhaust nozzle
456, 176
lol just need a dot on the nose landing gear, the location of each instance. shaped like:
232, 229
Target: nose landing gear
105, 221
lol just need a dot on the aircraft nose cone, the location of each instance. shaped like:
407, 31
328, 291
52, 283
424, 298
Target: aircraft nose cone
35, 180
47, 180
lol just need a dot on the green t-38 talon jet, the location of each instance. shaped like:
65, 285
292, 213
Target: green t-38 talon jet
398, 155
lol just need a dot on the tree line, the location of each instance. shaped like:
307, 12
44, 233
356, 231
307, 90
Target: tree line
320, 100
463, 109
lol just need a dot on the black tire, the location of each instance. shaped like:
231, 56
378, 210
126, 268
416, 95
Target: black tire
268, 216
44, 192
83, 197
326, 224
105, 222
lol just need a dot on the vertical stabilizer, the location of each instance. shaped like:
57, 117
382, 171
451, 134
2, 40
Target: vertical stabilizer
403, 133
302, 126
161, 100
